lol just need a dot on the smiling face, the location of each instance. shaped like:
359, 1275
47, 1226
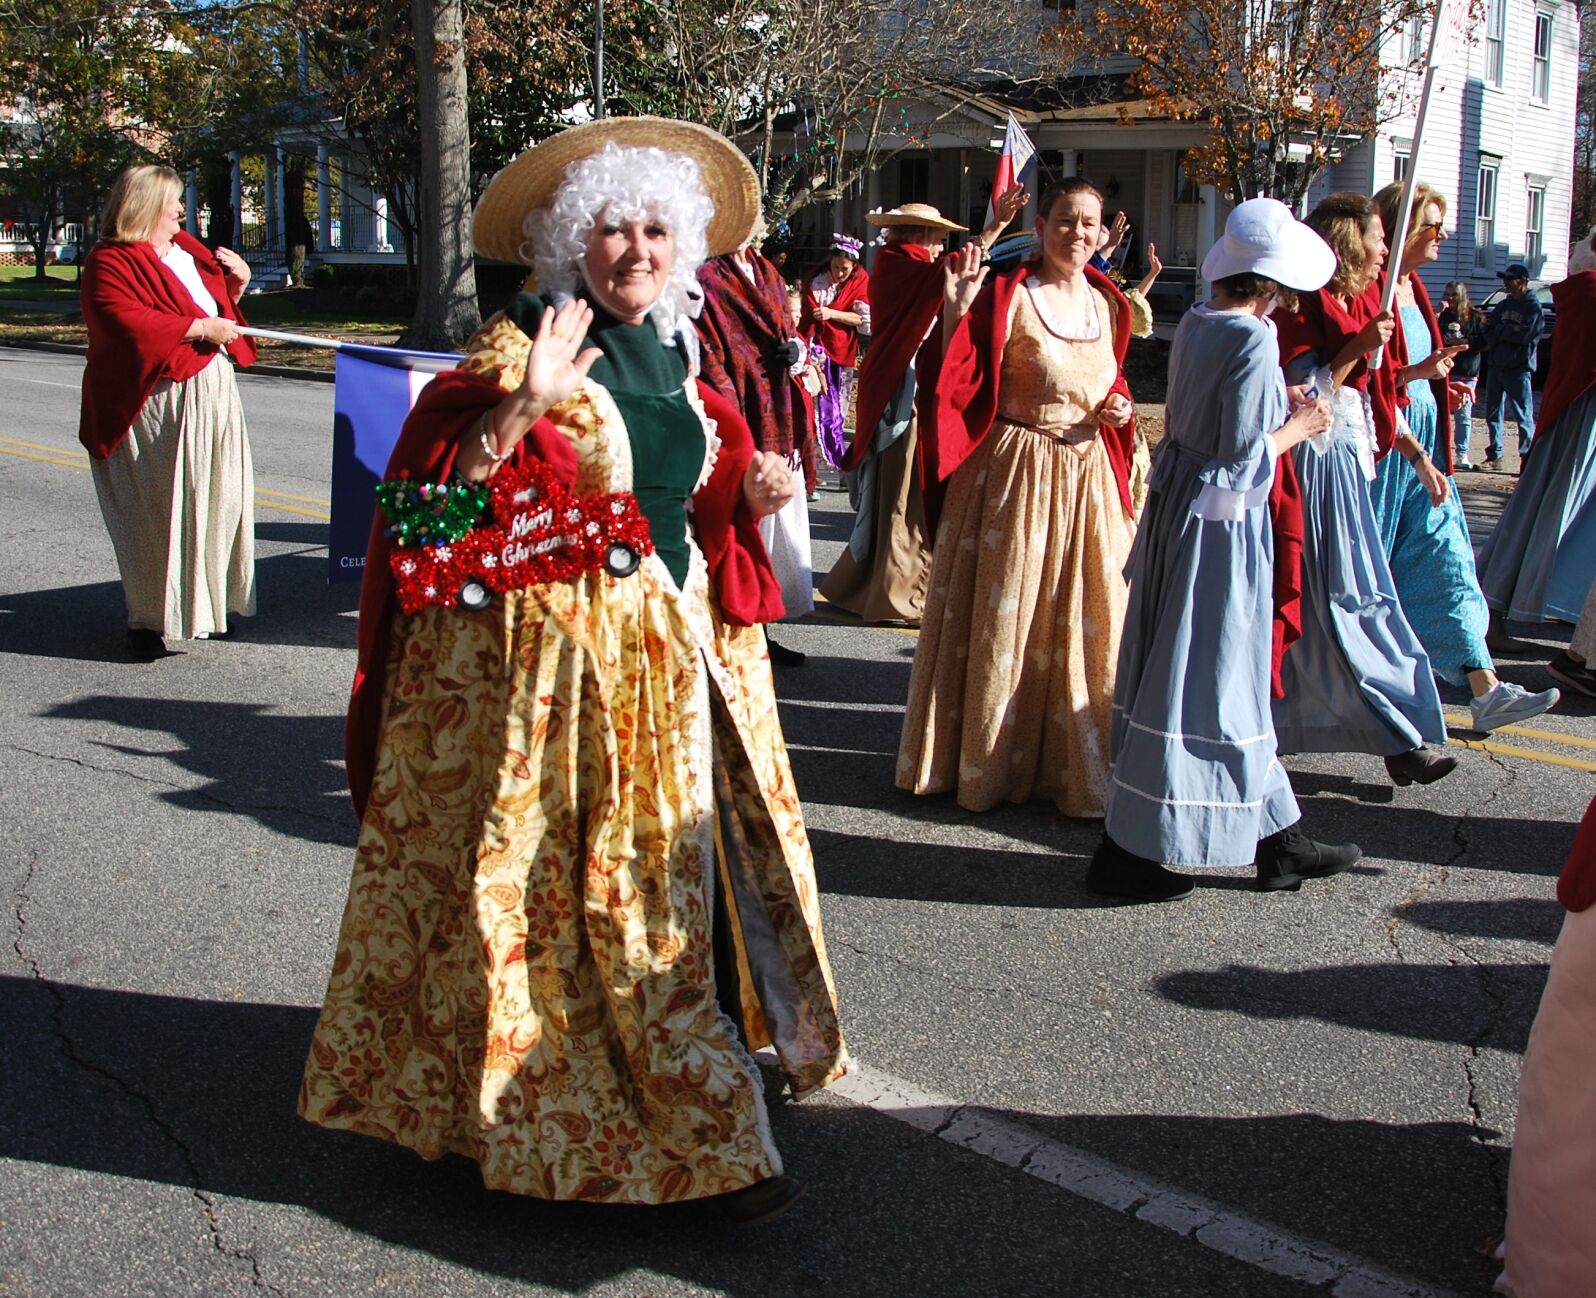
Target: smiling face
1069, 231
627, 265
168, 219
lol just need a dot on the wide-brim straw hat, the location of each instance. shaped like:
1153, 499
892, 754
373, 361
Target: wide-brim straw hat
528, 183
1262, 237
914, 214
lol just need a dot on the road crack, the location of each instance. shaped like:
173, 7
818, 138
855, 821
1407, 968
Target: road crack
69, 1049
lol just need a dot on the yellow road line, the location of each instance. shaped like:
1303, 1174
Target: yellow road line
40, 446
288, 495
1529, 754
264, 498
1466, 722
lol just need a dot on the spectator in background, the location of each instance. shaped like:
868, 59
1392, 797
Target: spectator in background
1462, 322
1515, 325
836, 316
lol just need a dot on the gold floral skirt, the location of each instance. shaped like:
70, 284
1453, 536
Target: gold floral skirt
1013, 685
524, 974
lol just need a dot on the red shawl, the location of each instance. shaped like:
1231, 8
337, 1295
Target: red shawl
1576, 886
905, 299
137, 312
740, 575
740, 329
1573, 368
965, 388
1287, 524
839, 341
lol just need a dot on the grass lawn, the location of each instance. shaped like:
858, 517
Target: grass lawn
59, 282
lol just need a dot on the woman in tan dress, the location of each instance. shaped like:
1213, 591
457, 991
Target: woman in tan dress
1013, 679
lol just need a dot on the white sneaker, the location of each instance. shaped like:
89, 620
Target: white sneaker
1508, 703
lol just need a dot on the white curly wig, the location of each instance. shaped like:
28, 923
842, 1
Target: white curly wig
1584, 254
622, 183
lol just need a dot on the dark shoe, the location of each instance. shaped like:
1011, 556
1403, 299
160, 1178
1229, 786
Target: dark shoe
1114, 872
144, 645
1497, 639
781, 656
1569, 672
761, 1201
1492, 464
1421, 766
1286, 858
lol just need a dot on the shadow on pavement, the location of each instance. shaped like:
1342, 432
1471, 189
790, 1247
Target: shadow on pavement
285, 772
201, 1095
1525, 919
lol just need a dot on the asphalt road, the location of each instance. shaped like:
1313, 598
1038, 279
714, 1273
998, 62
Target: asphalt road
1285, 1095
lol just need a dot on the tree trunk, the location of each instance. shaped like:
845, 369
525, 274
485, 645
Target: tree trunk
446, 298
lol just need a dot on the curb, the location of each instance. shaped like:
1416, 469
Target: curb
268, 371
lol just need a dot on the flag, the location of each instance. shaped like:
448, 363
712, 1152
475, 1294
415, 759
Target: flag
376, 386
1017, 162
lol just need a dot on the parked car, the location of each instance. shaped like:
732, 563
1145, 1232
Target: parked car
1543, 353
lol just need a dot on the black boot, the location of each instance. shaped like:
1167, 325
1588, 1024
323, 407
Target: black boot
760, 1201
1288, 857
1114, 872
1420, 766
144, 645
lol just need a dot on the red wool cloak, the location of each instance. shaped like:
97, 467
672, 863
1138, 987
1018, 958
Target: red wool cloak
964, 402
1576, 886
740, 576
838, 341
1573, 368
905, 299
740, 329
137, 312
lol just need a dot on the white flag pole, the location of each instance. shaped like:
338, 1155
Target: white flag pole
304, 340
1396, 240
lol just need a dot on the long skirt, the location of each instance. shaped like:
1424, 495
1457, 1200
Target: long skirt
831, 411
1539, 561
1432, 560
786, 537
1551, 1185
1012, 691
526, 970
178, 498
1358, 680
888, 582
1196, 781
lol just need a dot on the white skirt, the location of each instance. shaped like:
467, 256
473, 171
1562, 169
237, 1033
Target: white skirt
178, 497
786, 536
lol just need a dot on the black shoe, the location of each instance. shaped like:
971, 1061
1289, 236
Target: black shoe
1114, 872
144, 645
762, 1200
1420, 766
1492, 463
1572, 674
1286, 858
781, 656
1497, 639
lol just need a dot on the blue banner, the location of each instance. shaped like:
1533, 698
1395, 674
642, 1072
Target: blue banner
375, 389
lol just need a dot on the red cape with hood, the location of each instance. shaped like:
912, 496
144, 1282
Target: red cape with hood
1573, 369
1576, 886
137, 311
964, 400
839, 341
740, 576
905, 300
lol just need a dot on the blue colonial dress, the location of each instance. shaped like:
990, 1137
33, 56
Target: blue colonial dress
1195, 778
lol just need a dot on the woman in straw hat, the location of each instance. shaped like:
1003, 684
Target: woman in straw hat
1030, 440
583, 889
836, 316
881, 576
1196, 782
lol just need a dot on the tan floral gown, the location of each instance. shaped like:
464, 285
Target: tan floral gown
1013, 684
525, 973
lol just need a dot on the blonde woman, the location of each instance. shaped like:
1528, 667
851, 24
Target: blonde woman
161, 417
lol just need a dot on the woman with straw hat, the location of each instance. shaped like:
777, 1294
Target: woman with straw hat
583, 890
881, 576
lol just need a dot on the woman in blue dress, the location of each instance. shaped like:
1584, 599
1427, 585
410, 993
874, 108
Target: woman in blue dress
1357, 680
1538, 563
1421, 519
1195, 780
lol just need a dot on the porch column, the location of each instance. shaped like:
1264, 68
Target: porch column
1207, 229
191, 204
379, 223
237, 200
323, 200
962, 214
1071, 166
